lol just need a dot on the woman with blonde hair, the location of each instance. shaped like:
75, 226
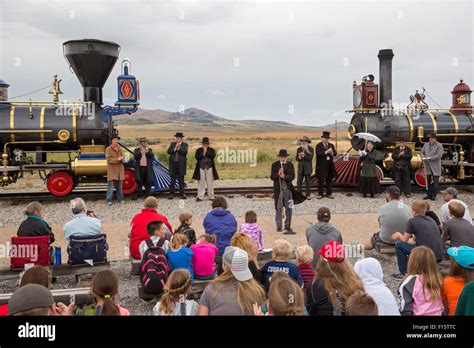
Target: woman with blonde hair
244, 241
235, 291
421, 291
335, 282
175, 301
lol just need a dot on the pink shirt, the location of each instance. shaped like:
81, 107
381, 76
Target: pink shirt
254, 232
203, 259
421, 300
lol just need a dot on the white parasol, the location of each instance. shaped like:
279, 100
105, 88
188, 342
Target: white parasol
368, 137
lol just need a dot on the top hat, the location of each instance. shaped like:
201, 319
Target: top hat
179, 135
326, 135
306, 139
283, 153
205, 140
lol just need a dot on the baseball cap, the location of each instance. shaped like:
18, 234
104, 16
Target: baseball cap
393, 191
237, 260
324, 213
333, 251
451, 191
463, 255
28, 297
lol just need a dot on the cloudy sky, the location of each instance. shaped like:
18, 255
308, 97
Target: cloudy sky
274, 60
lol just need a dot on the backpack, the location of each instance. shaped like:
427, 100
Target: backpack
154, 268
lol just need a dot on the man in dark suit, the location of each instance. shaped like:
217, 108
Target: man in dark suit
282, 174
304, 157
402, 167
143, 157
325, 171
177, 163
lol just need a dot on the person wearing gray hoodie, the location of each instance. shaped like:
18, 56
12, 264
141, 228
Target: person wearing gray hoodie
322, 232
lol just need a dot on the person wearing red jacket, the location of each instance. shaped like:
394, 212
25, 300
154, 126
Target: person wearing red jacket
140, 221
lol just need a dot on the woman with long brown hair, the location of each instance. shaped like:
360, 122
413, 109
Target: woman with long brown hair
235, 291
335, 282
420, 291
243, 241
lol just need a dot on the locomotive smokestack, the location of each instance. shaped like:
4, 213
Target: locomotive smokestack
385, 79
92, 61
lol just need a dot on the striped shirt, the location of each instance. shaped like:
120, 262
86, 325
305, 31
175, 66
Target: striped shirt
307, 273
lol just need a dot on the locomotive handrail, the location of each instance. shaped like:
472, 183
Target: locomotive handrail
408, 111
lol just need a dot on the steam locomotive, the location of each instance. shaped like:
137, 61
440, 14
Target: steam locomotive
454, 126
78, 131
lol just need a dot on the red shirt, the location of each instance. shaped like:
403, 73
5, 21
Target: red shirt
138, 231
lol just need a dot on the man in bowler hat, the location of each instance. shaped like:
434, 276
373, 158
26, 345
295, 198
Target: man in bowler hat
325, 171
177, 151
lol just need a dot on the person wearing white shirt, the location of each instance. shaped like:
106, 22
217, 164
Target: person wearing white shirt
450, 195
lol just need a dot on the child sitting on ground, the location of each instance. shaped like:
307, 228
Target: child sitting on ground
174, 300
281, 252
361, 303
156, 231
180, 255
304, 257
205, 251
252, 229
186, 219
104, 289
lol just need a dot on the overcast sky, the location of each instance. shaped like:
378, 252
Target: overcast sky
274, 60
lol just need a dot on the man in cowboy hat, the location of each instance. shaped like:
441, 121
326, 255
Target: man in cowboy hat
115, 169
205, 171
304, 157
177, 163
325, 171
402, 167
432, 152
143, 157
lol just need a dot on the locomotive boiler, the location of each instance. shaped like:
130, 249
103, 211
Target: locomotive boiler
375, 112
65, 141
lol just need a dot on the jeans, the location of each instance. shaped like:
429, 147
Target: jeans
432, 187
110, 190
403, 250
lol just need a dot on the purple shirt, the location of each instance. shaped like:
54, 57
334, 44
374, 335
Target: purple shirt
254, 232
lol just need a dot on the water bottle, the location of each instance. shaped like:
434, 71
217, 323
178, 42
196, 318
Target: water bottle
57, 255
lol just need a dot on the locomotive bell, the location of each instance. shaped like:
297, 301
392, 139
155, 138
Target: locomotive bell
128, 88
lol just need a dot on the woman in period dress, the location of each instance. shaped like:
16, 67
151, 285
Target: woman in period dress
368, 183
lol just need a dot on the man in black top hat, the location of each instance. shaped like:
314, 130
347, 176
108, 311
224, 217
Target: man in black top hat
177, 164
205, 171
325, 171
402, 167
304, 157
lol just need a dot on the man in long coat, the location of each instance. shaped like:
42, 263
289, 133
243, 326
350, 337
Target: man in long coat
432, 152
402, 156
304, 157
115, 170
325, 171
143, 157
178, 151
205, 171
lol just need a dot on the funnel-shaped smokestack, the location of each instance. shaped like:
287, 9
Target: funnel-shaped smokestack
385, 79
92, 61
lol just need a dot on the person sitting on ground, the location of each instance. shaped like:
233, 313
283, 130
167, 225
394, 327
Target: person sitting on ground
36, 300
186, 219
253, 229
174, 300
461, 273
204, 253
285, 297
156, 231
420, 291
393, 217
430, 213
138, 231
35, 225
322, 232
304, 257
281, 252
465, 304
456, 229
451, 195
104, 289
334, 283
426, 233
221, 223
180, 256
235, 291
84, 222
361, 303
244, 242
370, 271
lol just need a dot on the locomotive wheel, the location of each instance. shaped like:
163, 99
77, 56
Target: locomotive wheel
379, 173
129, 185
60, 183
420, 177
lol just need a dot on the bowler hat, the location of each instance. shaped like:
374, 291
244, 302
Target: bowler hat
142, 140
205, 140
283, 153
179, 135
326, 135
306, 139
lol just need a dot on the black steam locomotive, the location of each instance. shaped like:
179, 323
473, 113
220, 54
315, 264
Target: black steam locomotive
454, 126
77, 131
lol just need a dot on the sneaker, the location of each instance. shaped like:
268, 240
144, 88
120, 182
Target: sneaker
279, 229
398, 276
330, 196
320, 197
289, 231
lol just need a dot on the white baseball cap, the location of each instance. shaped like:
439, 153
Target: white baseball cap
237, 260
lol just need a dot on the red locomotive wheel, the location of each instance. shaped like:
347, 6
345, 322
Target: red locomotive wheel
379, 173
60, 183
420, 177
129, 185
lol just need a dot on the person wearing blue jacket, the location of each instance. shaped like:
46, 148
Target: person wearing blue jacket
220, 222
